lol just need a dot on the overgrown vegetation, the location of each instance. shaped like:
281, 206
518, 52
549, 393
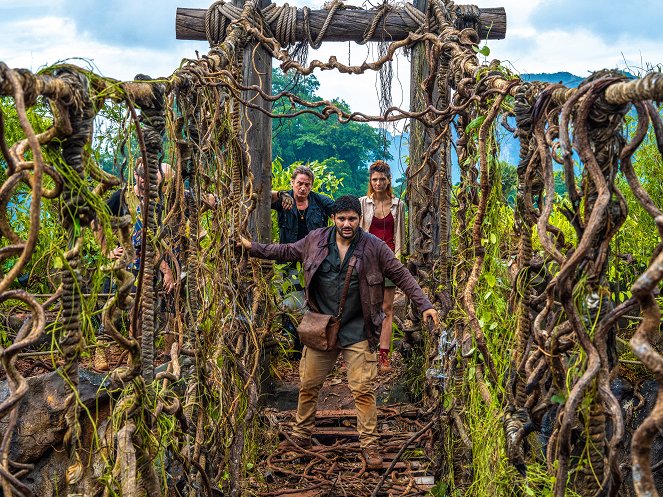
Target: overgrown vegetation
540, 285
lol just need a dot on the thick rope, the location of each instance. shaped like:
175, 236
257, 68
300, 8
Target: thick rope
217, 19
283, 18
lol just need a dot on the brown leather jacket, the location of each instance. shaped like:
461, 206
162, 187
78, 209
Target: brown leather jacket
374, 261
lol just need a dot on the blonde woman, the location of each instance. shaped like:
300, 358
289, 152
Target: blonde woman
384, 217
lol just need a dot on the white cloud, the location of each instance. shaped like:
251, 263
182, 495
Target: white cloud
34, 33
639, 20
38, 42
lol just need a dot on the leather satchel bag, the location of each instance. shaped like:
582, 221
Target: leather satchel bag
320, 331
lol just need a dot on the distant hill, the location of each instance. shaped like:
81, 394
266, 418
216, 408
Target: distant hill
509, 146
565, 78
399, 148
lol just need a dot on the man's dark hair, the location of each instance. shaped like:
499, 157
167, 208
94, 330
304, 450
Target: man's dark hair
305, 170
347, 203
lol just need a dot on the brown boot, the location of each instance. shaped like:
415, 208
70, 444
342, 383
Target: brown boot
100, 362
372, 457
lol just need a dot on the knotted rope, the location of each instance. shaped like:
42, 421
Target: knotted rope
217, 19
283, 20
286, 22
307, 25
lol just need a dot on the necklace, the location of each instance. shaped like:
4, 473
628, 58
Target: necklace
382, 207
302, 213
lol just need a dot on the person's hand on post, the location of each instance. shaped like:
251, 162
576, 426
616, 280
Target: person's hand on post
168, 280
244, 242
116, 253
209, 199
286, 200
432, 315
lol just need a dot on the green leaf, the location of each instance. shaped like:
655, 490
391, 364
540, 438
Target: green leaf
529, 491
439, 490
558, 399
485, 51
475, 123
493, 238
491, 280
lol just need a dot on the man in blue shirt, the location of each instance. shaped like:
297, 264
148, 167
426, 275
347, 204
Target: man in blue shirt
300, 210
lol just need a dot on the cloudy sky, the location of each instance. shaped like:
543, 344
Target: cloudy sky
122, 38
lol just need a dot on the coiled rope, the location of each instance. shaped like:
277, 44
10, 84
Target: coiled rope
283, 20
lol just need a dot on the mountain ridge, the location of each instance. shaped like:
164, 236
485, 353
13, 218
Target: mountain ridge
398, 145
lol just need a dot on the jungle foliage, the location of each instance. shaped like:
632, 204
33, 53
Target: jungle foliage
346, 148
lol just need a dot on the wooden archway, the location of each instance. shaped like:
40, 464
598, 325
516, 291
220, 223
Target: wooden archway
353, 24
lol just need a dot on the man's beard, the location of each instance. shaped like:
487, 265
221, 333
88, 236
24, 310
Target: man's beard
343, 235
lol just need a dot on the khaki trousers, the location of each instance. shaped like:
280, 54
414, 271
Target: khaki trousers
362, 369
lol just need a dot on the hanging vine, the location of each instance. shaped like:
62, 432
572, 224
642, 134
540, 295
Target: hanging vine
530, 348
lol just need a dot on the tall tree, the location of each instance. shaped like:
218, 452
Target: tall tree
348, 148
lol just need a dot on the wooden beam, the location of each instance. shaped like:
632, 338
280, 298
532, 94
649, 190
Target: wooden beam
347, 24
257, 64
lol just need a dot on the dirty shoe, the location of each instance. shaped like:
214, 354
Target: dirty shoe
100, 360
372, 457
384, 364
295, 443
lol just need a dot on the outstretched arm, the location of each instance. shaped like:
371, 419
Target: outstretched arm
276, 251
399, 274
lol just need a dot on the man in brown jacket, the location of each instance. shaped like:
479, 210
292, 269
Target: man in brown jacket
325, 254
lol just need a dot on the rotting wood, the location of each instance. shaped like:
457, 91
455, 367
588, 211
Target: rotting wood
347, 24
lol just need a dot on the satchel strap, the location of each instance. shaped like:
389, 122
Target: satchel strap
346, 286
311, 303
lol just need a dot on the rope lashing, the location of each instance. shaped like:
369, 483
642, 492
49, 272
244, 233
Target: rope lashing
282, 19
415, 14
467, 16
217, 18
286, 22
445, 12
336, 4
370, 31
220, 14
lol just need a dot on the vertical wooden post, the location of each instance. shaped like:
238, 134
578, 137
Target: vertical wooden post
257, 129
417, 198
257, 63
430, 193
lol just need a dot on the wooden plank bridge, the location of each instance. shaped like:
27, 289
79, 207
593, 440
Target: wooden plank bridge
333, 466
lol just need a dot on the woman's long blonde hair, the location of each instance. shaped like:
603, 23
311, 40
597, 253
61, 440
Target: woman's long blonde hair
379, 166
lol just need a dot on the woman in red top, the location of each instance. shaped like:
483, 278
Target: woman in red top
383, 215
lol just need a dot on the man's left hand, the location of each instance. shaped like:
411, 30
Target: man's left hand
431, 314
209, 199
